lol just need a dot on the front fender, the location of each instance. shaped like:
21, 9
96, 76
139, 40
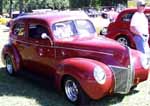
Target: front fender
141, 74
10, 50
82, 70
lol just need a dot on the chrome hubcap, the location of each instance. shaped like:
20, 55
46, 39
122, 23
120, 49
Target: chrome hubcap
123, 41
9, 65
71, 90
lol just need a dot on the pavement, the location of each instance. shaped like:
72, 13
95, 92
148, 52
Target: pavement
2, 27
4, 31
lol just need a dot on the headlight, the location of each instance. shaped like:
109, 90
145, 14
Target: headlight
99, 75
144, 61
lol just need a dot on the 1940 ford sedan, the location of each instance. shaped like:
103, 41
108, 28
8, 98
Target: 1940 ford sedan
65, 47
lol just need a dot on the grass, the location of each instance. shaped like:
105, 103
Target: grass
23, 91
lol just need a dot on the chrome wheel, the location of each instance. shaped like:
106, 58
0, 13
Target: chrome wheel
123, 41
9, 65
71, 90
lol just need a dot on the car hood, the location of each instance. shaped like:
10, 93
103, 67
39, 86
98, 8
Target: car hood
102, 49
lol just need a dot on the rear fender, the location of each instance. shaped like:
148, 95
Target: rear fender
115, 34
14, 54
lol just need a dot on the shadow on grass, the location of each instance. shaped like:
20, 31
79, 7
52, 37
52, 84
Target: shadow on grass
23, 86
114, 99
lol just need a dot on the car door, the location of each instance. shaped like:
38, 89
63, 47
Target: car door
41, 57
18, 38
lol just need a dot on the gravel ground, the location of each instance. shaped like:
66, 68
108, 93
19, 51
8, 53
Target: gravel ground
137, 97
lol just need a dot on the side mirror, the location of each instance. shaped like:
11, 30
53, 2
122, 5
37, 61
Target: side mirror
45, 36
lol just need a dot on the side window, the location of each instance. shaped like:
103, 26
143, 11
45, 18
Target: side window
64, 29
127, 17
19, 29
84, 26
36, 30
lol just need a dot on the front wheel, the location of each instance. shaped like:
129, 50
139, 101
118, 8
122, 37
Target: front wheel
9, 66
74, 92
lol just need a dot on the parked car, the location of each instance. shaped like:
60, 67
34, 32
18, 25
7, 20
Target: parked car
91, 11
120, 29
64, 46
3, 20
105, 21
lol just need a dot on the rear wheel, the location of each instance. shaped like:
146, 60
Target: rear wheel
123, 40
9, 65
74, 92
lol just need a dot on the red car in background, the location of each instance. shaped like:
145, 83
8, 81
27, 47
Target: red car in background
120, 29
64, 47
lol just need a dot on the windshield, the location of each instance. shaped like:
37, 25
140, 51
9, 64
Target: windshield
68, 29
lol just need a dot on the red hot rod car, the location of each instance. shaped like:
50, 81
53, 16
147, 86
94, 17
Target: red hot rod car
120, 29
65, 47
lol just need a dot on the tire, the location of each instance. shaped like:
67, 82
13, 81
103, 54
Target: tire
123, 40
9, 66
74, 92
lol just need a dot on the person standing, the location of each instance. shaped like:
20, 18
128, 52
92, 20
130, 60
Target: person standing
139, 27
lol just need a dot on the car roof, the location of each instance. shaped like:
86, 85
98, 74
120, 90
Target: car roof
134, 9
130, 10
55, 16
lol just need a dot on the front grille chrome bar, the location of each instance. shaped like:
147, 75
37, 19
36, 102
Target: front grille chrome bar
124, 76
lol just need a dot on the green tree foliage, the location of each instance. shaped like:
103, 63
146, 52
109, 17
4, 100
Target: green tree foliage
79, 3
1, 7
114, 2
46, 4
96, 3
28, 5
61, 4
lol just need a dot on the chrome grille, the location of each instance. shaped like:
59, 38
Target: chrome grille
124, 76
121, 79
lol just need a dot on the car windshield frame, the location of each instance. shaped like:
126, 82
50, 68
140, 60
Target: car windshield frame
73, 28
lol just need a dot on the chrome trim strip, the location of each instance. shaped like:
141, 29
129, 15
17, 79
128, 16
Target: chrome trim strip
111, 54
118, 67
59, 47
131, 67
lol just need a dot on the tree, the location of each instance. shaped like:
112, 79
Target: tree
21, 6
96, 3
61, 4
79, 3
29, 5
10, 8
113, 2
1, 7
